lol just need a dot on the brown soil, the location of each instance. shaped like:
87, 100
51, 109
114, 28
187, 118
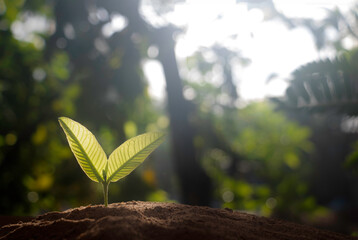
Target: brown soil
148, 220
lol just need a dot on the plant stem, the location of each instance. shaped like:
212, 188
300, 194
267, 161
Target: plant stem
105, 193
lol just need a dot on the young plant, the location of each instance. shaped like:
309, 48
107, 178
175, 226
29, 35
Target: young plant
93, 159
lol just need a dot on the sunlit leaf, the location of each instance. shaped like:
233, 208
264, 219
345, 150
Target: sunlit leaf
131, 153
86, 149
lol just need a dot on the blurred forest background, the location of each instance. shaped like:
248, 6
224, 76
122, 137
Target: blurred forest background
293, 157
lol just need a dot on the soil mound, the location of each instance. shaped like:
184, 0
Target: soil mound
150, 220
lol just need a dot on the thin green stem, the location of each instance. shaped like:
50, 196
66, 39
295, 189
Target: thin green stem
105, 193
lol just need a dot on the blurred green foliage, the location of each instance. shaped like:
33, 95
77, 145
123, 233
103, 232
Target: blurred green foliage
323, 95
258, 158
271, 177
40, 83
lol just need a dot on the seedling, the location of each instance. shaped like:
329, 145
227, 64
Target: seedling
93, 160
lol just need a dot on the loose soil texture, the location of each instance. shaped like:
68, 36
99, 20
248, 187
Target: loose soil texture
150, 220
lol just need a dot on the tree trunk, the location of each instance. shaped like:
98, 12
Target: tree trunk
195, 184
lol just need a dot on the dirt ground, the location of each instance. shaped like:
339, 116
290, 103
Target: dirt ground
150, 220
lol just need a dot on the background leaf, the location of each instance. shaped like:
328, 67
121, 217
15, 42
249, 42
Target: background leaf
131, 153
85, 147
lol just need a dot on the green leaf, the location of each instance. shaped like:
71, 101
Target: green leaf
84, 145
131, 153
